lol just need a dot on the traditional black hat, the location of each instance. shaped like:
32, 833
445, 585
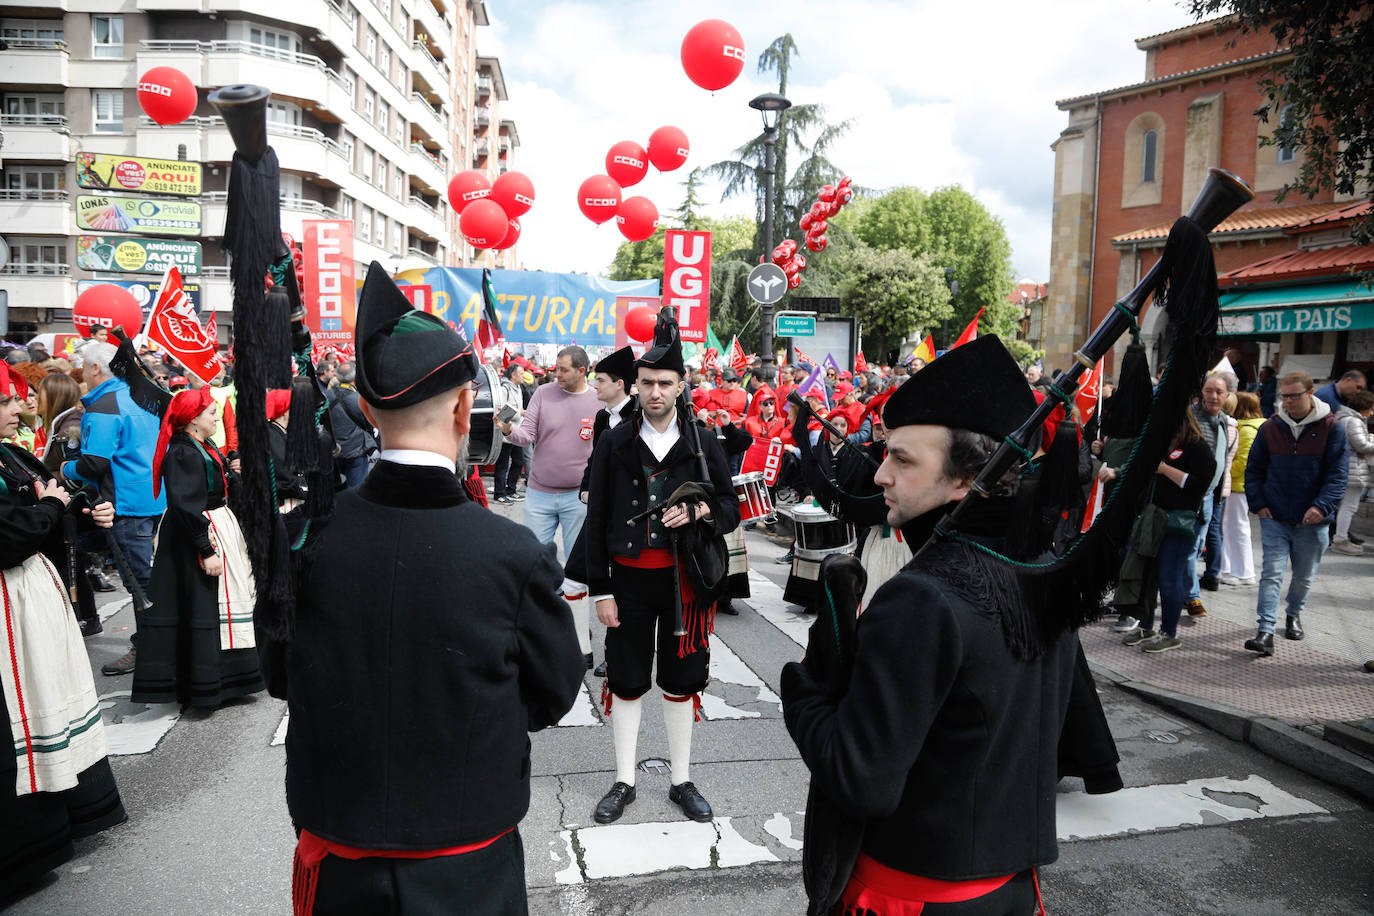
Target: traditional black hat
620, 364
405, 356
976, 386
666, 352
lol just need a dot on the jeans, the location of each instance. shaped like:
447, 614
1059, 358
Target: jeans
1303, 544
133, 535
1194, 589
1349, 505
1171, 569
354, 470
545, 512
506, 475
1212, 539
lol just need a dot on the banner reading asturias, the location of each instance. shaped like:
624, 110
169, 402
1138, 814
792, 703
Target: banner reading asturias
154, 216
534, 306
137, 256
132, 173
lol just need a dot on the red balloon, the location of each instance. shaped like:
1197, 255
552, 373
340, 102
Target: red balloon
800, 261
598, 198
637, 218
793, 281
826, 193
109, 305
484, 224
167, 95
713, 54
819, 226
668, 148
512, 234
627, 163
639, 323
844, 182
819, 243
514, 192
465, 187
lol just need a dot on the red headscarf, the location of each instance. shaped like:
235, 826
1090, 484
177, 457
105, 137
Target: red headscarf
185, 407
278, 402
12, 384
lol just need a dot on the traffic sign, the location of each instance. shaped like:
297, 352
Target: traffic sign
767, 283
794, 324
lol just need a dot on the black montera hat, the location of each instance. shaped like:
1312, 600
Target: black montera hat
666, 352
620, 364
976, 386
405, 356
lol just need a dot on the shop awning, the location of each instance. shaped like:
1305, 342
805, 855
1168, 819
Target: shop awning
1340, 305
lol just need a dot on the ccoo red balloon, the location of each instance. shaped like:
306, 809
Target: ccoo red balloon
713, 54
598, 198
627, 163
514, 192
465, 187
167, 95
668, 148
512, 234
484, 224
639, 323
109, 305
637, 218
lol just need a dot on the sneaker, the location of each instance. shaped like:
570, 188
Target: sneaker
503, 499
1125, 624
1161, 643
1347, 547
1137, 636
1228, 579
1195, 608
785, 558
518, 497
1356, 540
122, 665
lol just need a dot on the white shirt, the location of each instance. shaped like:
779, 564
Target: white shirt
614, 419
660, 442
418, 458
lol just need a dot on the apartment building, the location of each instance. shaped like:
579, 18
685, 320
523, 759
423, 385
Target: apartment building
374, 107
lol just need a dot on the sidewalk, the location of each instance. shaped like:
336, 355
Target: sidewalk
1285, 704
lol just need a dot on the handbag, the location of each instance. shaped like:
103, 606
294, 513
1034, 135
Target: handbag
1182, 522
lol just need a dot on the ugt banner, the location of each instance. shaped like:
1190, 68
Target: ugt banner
331, 298
534, 306
687, 281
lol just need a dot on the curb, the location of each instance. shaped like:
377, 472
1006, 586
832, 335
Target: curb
1284, 743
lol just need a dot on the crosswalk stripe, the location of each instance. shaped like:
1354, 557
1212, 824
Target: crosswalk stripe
766, 599
139, 732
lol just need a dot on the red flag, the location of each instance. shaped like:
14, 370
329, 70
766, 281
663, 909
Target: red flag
970, 332
738, 361
1094, 505
803, 358
173, 325
860, 364
709, 361
212, 331
1089, 394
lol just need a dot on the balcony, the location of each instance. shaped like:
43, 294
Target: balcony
428, 118
294, 212
481, 118
35, 62
428, 70
38, 286
425, 221
36, 212
36, 137
484, 85
432, 22
301, 77
299, 149
421, 254
503, 144
429, 169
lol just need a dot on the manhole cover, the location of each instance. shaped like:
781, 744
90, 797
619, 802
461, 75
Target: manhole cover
654, 765
1162, 737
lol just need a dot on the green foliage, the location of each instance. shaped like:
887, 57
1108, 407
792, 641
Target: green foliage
1025, 354
1329, 81
892, 292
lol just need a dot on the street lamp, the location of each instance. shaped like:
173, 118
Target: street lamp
953, 285
771, 106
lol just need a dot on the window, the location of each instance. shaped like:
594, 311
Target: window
291, 187
1149, 149
345, 205
346, 141
368, 160
384, 60
37, 256
33, 180
352, 15
107, 36
275, 44
108, 108
364, 223
398, 184
1286, 153
284, 113
382, 114
380, 178
369, 103
47, 108
370, 45
35, 32
379, 235
396, 240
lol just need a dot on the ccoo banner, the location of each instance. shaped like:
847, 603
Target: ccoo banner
534, 306
687, 281
331, 299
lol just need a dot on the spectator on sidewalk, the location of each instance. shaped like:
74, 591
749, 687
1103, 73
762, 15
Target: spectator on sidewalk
118, 439
1294, 481
1354, 419
352, 431
1219, 431
511, 462
1237, 551
1338, 392
1268, 390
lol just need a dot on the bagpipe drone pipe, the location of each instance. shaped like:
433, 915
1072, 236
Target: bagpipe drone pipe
1068, 590
270, 335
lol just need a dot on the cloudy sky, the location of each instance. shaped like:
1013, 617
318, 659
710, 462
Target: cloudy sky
940, 93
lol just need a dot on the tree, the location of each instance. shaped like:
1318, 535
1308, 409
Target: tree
893, 292
1328, 82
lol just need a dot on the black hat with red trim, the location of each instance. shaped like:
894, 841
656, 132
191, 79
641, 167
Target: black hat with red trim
405, 356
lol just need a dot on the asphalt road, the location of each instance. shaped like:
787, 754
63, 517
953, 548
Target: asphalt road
1206, 825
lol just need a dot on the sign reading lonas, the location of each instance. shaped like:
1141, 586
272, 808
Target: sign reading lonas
138, 256
144, 215
133, 173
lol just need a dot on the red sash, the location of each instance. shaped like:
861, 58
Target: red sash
880, 889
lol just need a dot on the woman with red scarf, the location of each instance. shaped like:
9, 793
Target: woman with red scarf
196, 641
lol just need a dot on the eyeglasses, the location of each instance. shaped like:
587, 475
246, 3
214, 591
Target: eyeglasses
1292, 397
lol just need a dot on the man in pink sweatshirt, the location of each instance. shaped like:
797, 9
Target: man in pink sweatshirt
558, 421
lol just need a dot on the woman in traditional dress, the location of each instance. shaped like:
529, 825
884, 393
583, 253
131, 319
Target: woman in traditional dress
196, 643
55, 780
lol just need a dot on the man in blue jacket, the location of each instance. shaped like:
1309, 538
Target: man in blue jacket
1294, 480
1338, 392
117, 442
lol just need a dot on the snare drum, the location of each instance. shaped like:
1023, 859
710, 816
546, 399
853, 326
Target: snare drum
484, 439
755, 504
819, 534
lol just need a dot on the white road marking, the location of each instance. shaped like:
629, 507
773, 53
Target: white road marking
733, 850
780, 827
114, 607
622, 850
1196, 803
767, 601
583, 711
728, 668
572, 874
279, 737
137, 733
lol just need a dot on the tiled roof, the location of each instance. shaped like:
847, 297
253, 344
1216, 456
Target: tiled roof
1243, 221
1352, 211
1185, 30
1172, 77
1293, 265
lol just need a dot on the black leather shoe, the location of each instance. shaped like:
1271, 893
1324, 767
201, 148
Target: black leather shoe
588, 659
1293, 628
1208, 582
725, 607
599, 670
1263, 643
91, 626
613, 803
98, 582
690, 801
